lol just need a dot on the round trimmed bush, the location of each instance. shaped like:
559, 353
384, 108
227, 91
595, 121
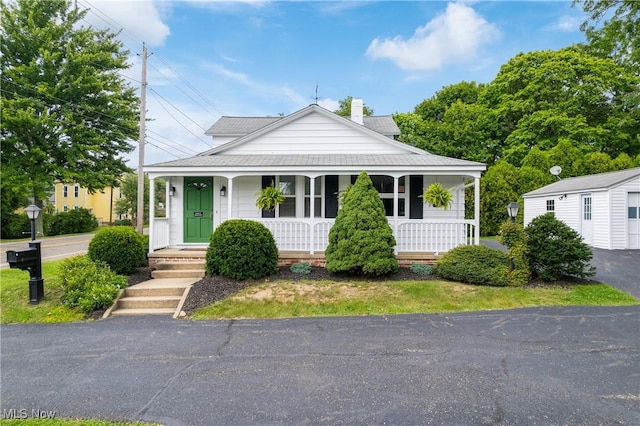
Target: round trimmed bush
120, 247
474, 265
242, 249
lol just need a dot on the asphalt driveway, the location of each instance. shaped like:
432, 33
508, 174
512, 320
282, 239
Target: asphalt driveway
546, 366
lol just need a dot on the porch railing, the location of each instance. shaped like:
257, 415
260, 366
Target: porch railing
433, 236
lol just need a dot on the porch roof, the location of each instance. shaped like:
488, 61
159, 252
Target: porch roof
318, 160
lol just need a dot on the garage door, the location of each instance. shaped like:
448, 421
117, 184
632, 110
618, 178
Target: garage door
633, 217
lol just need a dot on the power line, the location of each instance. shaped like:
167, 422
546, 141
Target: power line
177, 121
155, 93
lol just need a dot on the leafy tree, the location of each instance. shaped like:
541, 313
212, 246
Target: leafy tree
67, 113
619, 36
498, 187
361, 240
128, 204
344, 108
542, 97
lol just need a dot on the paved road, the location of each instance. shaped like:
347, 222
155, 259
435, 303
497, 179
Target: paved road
549, 366
52, 247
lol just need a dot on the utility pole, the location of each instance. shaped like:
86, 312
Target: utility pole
143, 119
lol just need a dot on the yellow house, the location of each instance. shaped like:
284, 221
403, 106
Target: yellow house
101, 203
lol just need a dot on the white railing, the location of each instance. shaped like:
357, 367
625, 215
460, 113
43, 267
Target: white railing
160, 237
426, 236
433, 236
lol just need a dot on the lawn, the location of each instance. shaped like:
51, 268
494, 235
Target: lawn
14, 298
306, 298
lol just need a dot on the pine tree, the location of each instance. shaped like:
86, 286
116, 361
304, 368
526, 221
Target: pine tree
361, 240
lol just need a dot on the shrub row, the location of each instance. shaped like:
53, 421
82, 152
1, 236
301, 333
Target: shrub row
89, 285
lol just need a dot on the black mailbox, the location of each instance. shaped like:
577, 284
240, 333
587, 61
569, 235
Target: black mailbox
22, 259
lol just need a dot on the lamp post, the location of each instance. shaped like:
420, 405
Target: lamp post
33, 212
36, 283
512, 209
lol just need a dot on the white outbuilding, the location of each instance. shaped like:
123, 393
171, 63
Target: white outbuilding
604, 208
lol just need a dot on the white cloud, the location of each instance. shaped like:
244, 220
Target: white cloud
140, 20
567, 23
329, 104
452, 37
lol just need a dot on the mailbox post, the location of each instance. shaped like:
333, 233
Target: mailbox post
30, 259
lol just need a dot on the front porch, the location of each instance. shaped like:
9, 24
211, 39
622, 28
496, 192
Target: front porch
196, 256
305, 240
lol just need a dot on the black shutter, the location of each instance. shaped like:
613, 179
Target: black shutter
416, 184
267, 181
331, 196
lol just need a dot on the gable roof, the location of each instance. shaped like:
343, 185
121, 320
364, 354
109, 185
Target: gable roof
241, 126
598, 181
380, 122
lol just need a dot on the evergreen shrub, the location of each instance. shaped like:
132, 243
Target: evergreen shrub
302, 268
556, 250
474, 265
513, 236
74, 221
421, 269
120, 247
242, 249
361, 240
89, 285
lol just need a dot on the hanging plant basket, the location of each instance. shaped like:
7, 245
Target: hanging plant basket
269, 198
437, 196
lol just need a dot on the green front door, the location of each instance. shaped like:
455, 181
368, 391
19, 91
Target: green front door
198, 209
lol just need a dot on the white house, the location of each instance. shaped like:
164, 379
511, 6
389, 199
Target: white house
313, 155
604, 208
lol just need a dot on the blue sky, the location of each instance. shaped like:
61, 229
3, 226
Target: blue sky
250, 58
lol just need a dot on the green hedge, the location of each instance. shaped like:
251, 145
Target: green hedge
474, 265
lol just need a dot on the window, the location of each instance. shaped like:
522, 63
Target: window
76, 207
76, 190
633, 212
384, 186
586, 208
287, 185
317, 197
551, 205
388, 206
65, 191
65, 208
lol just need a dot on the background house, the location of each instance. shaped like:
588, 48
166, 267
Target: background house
69, 196
604, 208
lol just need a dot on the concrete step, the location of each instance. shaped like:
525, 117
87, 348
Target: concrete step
135, 291
178, 273
149, 311
180, 265
149, 302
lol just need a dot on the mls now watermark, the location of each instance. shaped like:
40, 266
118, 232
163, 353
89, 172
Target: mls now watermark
23, 413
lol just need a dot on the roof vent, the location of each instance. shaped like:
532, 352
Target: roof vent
357, 107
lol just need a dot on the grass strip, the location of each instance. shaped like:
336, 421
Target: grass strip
283, 299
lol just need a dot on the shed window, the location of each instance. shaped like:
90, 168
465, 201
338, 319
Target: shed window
551, 205
633, 212
586, 208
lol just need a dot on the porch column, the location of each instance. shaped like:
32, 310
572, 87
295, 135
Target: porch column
229, 196
396, 181
312, 211
152, 212
476, 210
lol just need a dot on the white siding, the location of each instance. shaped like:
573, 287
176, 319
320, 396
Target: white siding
619, 221
456, 211
176, 213
315, 134
600, 202
534, 207
568, 210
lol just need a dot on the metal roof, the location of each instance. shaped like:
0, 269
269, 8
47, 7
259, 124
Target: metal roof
318, 160
241, 126
587, 183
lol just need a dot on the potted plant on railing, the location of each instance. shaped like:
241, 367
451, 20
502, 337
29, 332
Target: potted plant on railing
269, 198
437, 196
